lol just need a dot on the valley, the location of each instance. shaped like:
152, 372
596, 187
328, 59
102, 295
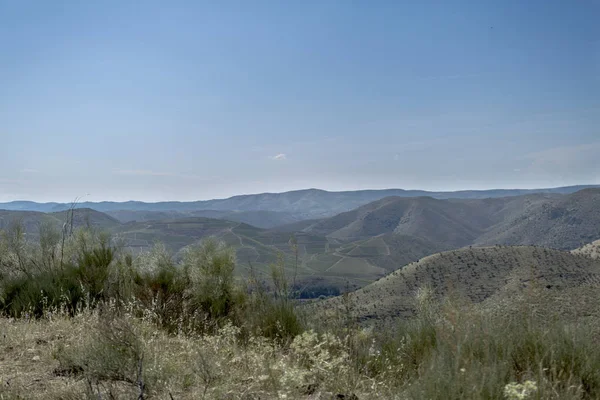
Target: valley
354, 248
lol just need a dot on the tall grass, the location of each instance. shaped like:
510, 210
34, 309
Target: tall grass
148, 327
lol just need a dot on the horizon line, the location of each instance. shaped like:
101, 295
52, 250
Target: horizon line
301, 190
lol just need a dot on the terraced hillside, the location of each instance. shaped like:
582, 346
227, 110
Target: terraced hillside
260, 219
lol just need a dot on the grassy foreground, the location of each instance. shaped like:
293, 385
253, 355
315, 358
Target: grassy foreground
446, 352
81, 320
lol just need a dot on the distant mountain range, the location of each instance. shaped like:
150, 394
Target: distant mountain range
356, 247
299, 204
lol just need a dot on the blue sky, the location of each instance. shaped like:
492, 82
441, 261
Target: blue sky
154, 100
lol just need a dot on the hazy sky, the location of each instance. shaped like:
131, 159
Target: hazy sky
168, 100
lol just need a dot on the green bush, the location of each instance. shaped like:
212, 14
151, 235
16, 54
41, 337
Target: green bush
210, 266
272, 313
34, 280
44, 291
198, 294
160, 286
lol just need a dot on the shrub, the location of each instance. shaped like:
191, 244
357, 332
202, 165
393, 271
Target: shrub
34, 278
209, 266
44, 291
161, 287
113, 351
272, 313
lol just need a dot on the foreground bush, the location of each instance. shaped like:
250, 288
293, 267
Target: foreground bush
448, 352
113, 326
87, 269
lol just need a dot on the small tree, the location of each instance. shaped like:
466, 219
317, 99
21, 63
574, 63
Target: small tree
210, 266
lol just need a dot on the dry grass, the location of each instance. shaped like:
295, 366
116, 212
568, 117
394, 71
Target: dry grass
59, 358
451, 350
160, 331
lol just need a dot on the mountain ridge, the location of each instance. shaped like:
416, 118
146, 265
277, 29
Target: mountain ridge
310, 203
556, 221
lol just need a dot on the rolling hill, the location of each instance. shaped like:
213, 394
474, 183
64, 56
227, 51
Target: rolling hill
563, 222
557, 221
255, 247
450, 223
260, 219
477, 273
357, 247
307, 204
32, 220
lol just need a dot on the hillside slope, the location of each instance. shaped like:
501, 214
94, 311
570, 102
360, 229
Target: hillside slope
590, 250
476, 273
557, 221
564, 222
32, 220
260, 219
450, 223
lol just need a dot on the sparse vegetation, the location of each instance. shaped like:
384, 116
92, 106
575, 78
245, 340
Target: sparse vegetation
105, 324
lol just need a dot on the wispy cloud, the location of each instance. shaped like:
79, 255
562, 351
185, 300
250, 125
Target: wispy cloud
140, 172
4, 181
279, 157
580, 160
447, 77
565, 154
30, 171
146, 172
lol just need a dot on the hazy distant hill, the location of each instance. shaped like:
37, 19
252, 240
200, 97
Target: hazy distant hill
310, 203
565, 222
453, 224
557, 221
356, 247
32, 220
88, 217
255, 247
260, 219
477, 273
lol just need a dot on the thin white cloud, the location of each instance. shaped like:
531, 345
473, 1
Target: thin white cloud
577, 161
9, 182
30, 171
447, 77
146, 172
141, 172
279, 157
565, 154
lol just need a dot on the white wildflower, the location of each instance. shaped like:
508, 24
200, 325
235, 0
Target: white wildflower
520, 391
